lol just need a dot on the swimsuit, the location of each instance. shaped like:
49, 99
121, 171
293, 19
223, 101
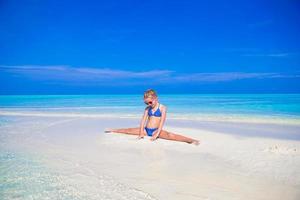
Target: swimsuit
150, 131
157, 113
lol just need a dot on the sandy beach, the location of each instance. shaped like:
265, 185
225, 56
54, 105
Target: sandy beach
75, 156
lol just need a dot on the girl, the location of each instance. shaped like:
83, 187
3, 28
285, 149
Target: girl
155, 115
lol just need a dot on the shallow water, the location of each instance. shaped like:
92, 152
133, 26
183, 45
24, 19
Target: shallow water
23, 177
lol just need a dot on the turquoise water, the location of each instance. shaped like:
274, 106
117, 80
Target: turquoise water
201, 106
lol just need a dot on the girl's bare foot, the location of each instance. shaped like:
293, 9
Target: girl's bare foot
108, 130
195, 142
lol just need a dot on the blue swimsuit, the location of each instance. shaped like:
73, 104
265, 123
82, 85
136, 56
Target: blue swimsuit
157, 113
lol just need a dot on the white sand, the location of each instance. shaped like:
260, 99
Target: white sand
233, 161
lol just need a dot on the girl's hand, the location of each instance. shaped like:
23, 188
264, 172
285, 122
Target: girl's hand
140, 137
154, 136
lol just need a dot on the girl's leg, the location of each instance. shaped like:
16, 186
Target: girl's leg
176, 137
131, 131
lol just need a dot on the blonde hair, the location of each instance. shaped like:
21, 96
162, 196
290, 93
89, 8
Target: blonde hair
150, 93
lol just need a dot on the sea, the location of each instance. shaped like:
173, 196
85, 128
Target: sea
260, 108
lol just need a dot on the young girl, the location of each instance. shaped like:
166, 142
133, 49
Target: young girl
155, 115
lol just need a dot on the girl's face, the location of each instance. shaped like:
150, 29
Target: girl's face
150, 101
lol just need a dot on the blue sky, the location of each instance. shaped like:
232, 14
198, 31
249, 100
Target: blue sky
88, 47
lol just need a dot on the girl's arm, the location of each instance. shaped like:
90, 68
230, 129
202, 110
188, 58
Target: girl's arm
162, 121
144, 119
